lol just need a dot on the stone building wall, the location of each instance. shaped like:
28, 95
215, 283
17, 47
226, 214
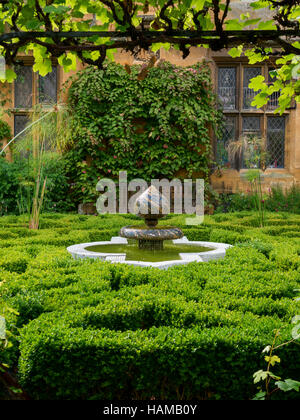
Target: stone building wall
232, 180
225, 179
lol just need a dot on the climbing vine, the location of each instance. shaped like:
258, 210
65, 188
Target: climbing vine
5, 132
152, 122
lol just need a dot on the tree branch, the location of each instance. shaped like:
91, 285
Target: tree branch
163, 16
43, 17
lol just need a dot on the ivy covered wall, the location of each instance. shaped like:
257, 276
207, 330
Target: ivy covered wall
152, 122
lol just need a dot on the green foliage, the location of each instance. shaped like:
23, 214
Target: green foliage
288, 385
57, 193
251, 151
152, 128
17, 184
14, 261
196, 17
281, 200
268, 377
5, 132
225, 236
38, 139
5, 311
192, 331
276, 200
285, 82
9, 185
254, 178
285, 78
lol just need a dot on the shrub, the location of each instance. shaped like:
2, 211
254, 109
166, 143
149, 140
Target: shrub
94, 330
277, 200
160, 361
14, 261
221, 235
9, 186
17, 182
198, 234
286, 258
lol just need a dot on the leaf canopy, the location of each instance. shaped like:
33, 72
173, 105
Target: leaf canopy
92, 30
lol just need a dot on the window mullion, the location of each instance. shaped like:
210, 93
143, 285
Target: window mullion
35, 89
266, 75
240, 87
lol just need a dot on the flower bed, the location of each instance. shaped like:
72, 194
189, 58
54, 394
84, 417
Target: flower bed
88, 329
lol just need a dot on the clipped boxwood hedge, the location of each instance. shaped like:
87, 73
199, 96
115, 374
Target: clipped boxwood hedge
94, 330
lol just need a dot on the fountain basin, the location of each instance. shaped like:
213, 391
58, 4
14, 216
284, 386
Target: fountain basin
198, 251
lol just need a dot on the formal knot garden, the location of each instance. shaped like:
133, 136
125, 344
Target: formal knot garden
85, 329
78, 323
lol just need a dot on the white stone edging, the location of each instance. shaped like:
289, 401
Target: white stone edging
219, 251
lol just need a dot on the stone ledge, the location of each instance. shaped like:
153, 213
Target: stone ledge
80, 252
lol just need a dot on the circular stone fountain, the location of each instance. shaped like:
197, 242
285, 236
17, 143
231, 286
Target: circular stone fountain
150, 245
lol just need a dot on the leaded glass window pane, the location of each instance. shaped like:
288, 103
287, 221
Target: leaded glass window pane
276, 142
252, 142
248, 94
251, 125
48, 87
20, 122
273, 99
227, 87
23, 87
229, 135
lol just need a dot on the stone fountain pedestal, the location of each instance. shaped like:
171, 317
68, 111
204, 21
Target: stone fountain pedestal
151, 205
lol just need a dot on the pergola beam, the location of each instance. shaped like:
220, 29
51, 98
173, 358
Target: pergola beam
186, 35
58, 43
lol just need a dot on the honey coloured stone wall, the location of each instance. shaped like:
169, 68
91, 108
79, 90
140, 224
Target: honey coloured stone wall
231, 180
224, 179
